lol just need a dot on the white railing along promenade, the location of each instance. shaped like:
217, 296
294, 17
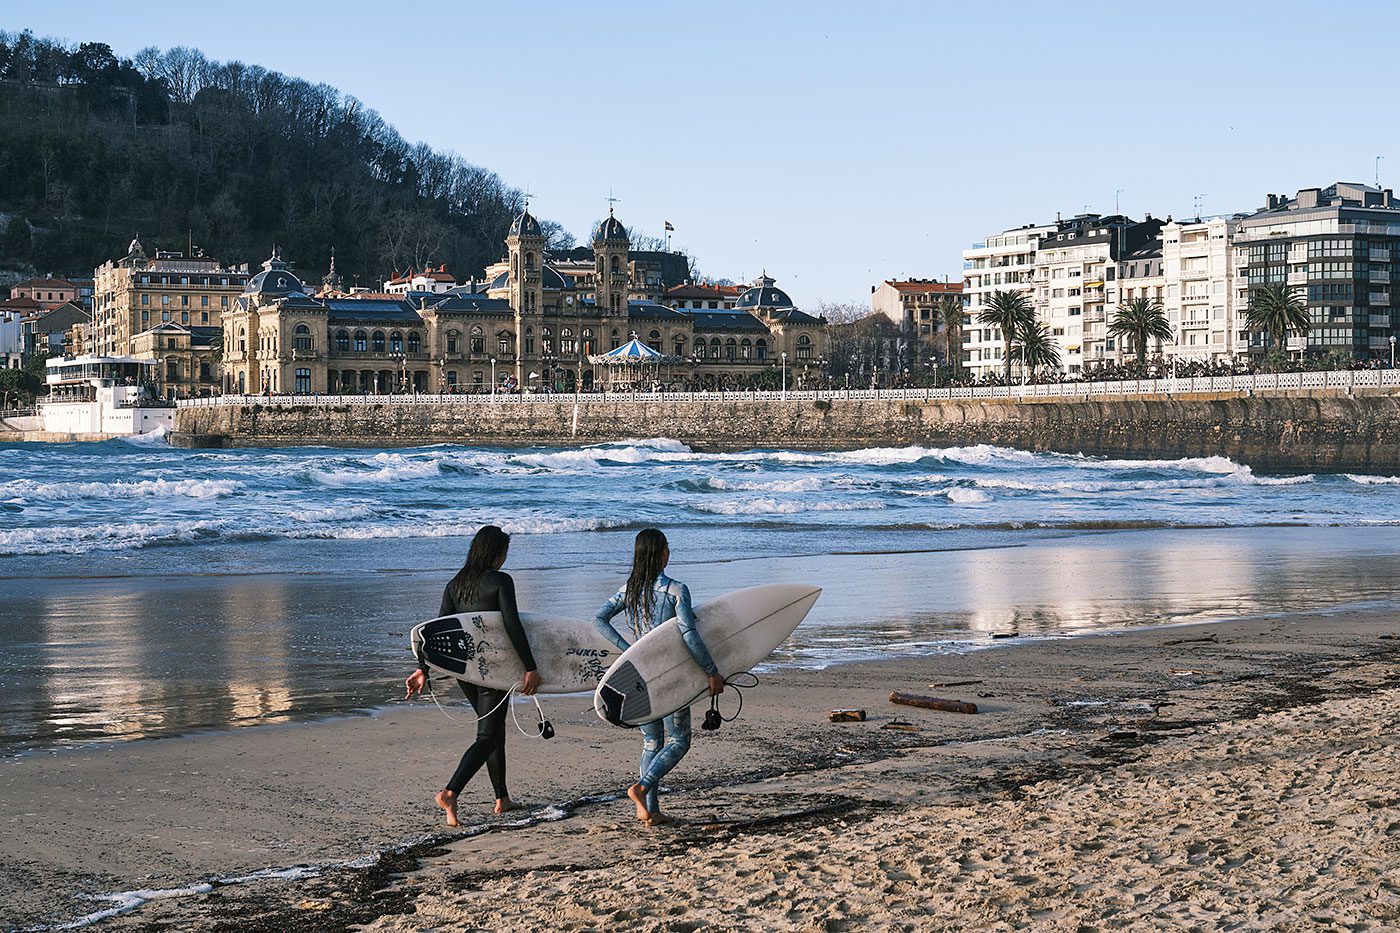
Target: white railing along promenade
1185, 385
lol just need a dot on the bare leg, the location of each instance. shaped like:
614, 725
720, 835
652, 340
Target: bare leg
448, 801
505, 805
637, 793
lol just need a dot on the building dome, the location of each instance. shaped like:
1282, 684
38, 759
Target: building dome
526, 225
610, 231
276, 280
764, 295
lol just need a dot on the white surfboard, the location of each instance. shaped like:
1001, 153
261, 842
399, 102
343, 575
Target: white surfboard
657, 676
474, 646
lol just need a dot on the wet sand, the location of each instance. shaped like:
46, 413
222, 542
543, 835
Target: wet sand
1235, 775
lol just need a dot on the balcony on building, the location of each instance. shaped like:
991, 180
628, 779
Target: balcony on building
1380, 299
1378, 320
1298, 278
1380, 276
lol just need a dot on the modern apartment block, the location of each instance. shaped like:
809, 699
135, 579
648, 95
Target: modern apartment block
1339, 244
1076, 282
1002, 261
1198, 265
135, 293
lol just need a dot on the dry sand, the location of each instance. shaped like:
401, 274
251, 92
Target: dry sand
1098, 788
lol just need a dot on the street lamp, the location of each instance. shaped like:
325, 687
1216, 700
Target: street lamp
784, 365
493, 378
402, 360
1392, 351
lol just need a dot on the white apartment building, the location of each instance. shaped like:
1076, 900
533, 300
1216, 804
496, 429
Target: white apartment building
1076, 283
1139, 276
1200, 301
1004, 260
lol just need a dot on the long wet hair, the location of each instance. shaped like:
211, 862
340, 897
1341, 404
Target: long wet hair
648, 558
488, 550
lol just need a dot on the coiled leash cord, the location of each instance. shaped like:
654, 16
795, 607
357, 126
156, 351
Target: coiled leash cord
713, 717
544, 729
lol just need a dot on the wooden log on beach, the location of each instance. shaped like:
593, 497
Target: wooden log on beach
847, 715
923, 702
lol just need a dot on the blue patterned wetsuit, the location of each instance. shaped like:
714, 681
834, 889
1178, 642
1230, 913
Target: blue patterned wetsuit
664, 742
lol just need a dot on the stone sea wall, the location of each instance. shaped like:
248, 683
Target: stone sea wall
1319, 431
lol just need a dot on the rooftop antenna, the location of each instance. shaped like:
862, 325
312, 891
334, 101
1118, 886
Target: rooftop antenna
611, 201
1198, 200
1378, 170
1116, 193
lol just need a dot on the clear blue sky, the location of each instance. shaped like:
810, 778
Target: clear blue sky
834, 144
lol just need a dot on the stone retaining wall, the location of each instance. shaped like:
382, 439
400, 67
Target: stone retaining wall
1319, 431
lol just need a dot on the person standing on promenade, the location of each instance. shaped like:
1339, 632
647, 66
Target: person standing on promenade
650, 598
480, 586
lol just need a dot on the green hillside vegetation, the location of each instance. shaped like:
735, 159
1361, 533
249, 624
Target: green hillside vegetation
171, 146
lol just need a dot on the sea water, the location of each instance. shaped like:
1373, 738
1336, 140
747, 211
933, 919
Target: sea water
149, 591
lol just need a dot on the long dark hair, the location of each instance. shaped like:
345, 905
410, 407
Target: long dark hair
488, 550
648, 558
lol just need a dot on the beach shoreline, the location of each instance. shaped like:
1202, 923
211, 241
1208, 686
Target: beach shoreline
167, 813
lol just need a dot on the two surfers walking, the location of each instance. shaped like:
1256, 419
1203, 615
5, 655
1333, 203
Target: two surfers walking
649, 598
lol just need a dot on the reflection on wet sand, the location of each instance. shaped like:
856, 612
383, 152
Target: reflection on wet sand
132, 657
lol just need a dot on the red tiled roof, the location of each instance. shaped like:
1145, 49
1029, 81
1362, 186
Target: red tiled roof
925, 285
19, 304
440, 274
44, 283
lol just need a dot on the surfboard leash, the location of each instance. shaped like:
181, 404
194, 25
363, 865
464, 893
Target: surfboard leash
543, 730
713, 717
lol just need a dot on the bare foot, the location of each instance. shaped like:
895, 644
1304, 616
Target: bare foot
448, 801
505, 805
638, 795
659, 819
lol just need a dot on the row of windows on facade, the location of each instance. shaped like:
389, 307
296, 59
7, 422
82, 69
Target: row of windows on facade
204, 301
207, 281
165, 316
377, 342
173, 368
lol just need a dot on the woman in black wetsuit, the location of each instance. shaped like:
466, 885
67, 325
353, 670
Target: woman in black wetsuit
480, 586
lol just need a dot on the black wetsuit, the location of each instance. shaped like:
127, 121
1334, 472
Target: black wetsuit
496, 593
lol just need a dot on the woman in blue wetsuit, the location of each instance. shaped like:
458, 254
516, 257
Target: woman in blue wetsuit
480, 586
650, 598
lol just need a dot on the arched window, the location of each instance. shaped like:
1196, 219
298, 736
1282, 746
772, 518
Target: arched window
342, 341
616, 264
680, 345
731, 349
714, 347
529, 262
376, 341
745, 348
616, 339
546, 340
242, 340
804, 347
503, 340
415, 342
301, 337
361, 341
588, 345
529, 340
478, 339
515, 265
761, 349
566, 341
700, 348
453, 337
654, 340
395, 342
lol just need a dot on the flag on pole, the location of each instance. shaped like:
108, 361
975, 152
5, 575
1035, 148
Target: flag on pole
669, 228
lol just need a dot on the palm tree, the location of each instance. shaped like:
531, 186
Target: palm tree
1009, 309
950, 315
1276, 309
1035, 347
1141, 320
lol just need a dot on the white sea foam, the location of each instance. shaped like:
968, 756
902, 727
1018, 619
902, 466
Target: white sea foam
965, 496
149, 439
1190, 464
771, 506
805, 484
381, 468
66, 539
1373, 480
190, 488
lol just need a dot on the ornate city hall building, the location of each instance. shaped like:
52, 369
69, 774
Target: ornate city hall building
532, 327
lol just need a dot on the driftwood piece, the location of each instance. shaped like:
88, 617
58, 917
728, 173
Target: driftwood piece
923, 702
957, 683
847, 715
899, 725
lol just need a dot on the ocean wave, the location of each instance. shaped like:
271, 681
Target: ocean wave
65, 539
381, 468
1373, 480
120, 489
804, 484
1242, 476
964, 496
771, 506
1189, 464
